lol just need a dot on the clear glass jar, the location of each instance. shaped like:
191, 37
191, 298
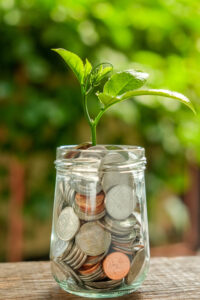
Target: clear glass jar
99, 241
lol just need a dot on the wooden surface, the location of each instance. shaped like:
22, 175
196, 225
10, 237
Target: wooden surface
169, 278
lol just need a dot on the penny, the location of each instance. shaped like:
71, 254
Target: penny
136, 266
92, 211
92, 239
90, 201
89, 270
68, 224
116, 265
84, 216
75, 153
120, 201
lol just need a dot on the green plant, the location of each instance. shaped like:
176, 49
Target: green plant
118, 87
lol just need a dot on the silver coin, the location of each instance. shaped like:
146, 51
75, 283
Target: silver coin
112, 178
71, 253
69, 270
113, 158
60, 248
86, 186
105, 284
136, 266
57, 271
68, 224
92, 239
74, 258
98, 153
126, 224
120, 202
79, 265
59, 197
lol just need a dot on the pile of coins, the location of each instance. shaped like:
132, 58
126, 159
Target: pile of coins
97, 239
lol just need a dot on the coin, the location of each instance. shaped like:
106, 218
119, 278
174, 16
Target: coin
86, 186
89, 270
116, 265
68, 224
136, 266
104, 284
58, 271
67, 270
91, 201
112, 178
92, 239
80, 263
74, 153
120, 201
113, 158
60, 248
98, 151
86, 217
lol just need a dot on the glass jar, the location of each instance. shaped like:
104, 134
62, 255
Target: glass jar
99, 241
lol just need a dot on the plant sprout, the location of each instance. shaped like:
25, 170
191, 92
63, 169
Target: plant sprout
118, 87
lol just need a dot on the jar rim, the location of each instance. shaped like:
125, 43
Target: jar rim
66, 155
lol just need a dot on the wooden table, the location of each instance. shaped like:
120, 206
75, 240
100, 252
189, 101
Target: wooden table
169, 278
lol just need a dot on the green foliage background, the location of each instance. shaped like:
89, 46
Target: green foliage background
40, 102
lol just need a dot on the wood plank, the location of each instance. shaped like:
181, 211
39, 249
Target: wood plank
169, 278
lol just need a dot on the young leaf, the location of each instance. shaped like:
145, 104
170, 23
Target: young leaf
87, 68
106, 99
73, 61
122, 82
99, 73
165, 93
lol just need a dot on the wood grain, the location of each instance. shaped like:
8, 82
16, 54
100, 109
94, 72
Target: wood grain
169, 278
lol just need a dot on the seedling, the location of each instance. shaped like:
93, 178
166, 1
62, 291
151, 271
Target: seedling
117, 87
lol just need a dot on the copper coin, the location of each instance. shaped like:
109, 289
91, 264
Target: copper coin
89, 270
89, 208
96, 211
90, 200
116, 265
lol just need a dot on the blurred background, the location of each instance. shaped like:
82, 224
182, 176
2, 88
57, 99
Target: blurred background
40, 109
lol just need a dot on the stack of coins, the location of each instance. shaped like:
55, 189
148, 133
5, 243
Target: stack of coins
97, 239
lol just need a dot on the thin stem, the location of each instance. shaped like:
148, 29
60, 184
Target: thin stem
100, 114
93, 130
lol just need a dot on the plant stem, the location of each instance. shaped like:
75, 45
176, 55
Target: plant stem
93, 130
92, 124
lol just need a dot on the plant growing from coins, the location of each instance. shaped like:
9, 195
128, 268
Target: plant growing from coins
117, 87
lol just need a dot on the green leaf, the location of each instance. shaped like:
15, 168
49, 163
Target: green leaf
99, 73
74, 62
108, 100
122, 82
164, 93
87, 68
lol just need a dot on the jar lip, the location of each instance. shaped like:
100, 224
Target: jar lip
68, 154
119, 148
